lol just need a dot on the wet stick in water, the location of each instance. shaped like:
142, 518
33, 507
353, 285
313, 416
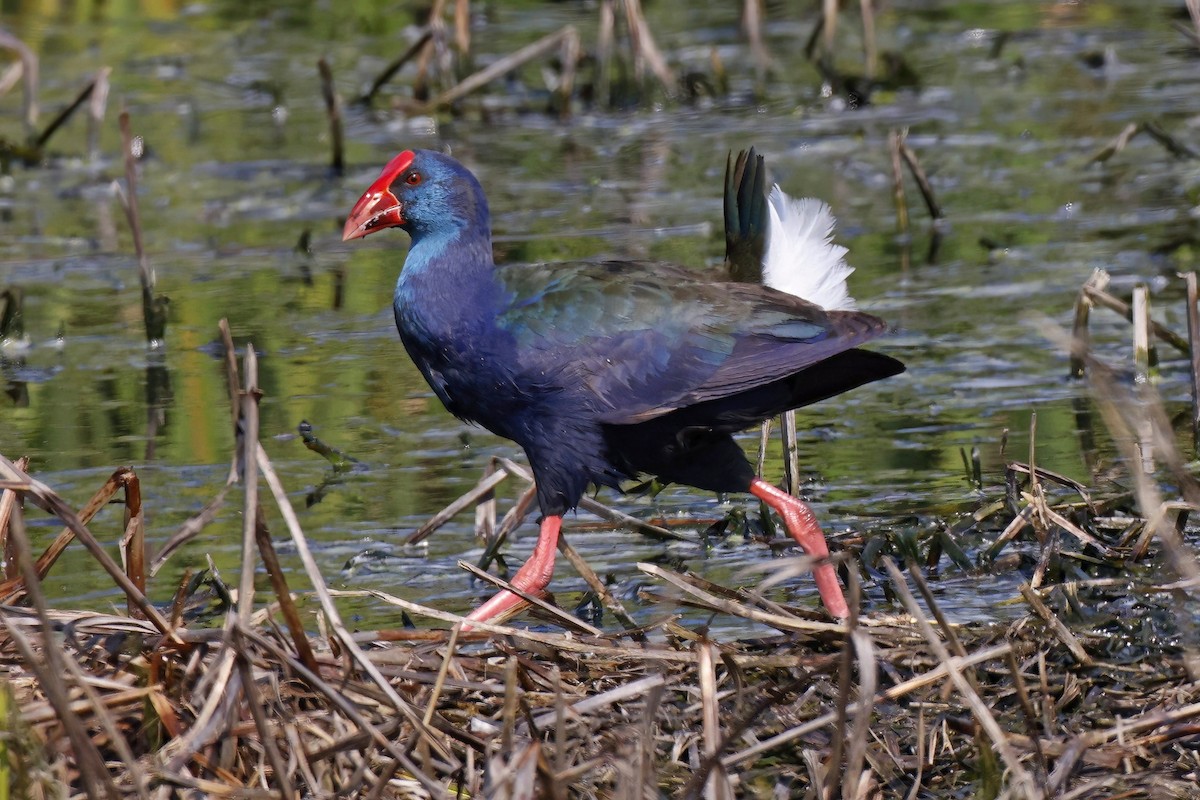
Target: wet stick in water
154, 307
388, 72
1080, 332
333, 110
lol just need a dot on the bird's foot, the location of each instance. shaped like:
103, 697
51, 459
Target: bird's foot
802, 524
532, 578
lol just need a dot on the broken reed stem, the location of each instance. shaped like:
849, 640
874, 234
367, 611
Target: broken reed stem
12, 588
1193, 322
153, 308
9, 501
250, 396
133, 543
791, 453
898, 197
1141, 333
333, 109
1080, 333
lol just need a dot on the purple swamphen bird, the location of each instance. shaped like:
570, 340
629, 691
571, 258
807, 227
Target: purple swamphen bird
603, 371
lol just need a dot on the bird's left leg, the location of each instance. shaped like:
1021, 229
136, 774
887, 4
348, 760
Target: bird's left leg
533, 576
802, 524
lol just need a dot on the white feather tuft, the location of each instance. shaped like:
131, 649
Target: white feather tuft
801, 256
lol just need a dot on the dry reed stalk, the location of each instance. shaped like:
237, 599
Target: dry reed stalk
9, 500
895, 692
791, 453
512, 519
478, 494
752, 24
561, 617
1193, 323
1020, 777
266, 733
645, 51
1103, 298
46, 499
718, 786
97, 108
1141, 333
597, 586
291, 615
605, 37
485, 507
1061, 631
870, 49
133, 543
250, 398
331, 613
779, 621
502, 67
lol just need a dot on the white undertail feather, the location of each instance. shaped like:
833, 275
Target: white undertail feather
801, 257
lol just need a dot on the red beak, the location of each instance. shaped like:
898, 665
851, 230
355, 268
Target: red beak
378, 208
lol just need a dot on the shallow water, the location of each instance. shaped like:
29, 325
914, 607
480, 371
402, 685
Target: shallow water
235, 173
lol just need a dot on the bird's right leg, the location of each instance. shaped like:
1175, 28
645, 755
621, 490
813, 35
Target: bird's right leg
532, 578
802, 524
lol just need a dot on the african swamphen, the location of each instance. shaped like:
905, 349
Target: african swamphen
603, 371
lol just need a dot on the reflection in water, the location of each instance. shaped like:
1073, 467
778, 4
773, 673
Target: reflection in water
241, 220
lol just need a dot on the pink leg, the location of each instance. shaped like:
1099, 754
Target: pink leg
803, 526
533, 576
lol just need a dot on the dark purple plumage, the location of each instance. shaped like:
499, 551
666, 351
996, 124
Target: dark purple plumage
600, 371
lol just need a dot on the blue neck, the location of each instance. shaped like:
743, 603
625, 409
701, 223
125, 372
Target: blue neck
447, 283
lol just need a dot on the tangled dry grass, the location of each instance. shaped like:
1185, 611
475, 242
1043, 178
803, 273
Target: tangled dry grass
1091, 691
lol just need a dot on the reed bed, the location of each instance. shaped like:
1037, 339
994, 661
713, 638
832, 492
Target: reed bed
1089, 690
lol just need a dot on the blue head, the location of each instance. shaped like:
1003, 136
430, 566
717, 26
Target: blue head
425, 193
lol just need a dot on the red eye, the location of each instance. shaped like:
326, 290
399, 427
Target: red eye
413, 178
